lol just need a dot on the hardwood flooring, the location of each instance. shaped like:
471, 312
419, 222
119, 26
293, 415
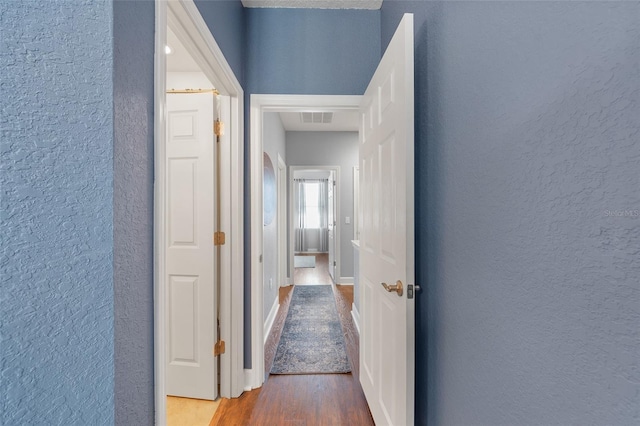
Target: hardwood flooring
188, 411
321, 399
317, 275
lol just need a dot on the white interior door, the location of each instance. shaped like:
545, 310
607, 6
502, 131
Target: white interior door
331, 223
191, 308
387, 234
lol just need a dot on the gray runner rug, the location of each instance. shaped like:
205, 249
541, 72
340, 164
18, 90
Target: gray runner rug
312, 341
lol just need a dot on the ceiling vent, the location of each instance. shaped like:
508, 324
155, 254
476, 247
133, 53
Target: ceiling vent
316, 117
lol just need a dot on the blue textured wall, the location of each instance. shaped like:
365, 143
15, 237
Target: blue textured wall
527, 147
311, 51
134, 29
56, 300
225, 19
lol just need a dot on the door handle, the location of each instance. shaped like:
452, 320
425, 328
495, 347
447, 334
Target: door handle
397, 287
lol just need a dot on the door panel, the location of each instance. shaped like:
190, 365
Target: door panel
182, 202
191, 320
386, 238
183, 309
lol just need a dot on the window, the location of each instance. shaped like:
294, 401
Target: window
312, 209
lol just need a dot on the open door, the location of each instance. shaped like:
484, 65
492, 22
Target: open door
387, 235
191, 308
331, 224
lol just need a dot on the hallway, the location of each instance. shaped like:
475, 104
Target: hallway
321, 399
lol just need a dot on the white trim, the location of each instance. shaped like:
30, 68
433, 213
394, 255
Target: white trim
159, 81
259, 105
356, 316
270, 319
256, 376
356, 202
283, 271
346, 281
185, 19
248, 377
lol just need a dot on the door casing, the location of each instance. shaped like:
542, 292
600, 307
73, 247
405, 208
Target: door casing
190, 27
259, 105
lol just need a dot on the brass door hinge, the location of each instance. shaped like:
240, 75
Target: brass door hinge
218, 128
218, 348
219, 238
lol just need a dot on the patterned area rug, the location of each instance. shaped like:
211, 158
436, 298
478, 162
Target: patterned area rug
312, 341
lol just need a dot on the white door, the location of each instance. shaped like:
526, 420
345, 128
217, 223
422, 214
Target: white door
387, 237
331, 224
191, 313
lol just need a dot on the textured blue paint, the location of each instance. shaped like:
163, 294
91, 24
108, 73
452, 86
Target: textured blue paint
225, 19
311, 51
56, 300
134, 30
527, 145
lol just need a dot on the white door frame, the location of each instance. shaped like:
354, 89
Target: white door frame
283, 271
336, 228
190, 27
259, 105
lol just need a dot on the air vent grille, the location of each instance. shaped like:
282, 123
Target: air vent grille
316, 117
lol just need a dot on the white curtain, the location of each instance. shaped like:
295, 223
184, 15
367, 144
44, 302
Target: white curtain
311, 216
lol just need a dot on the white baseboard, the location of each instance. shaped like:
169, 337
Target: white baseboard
248, 375
270, 318
356, 317
346, 281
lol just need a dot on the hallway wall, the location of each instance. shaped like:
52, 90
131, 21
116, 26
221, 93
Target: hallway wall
226, 21
133, 110
274, 144
311, 51
56, 180
526, 146
77, 226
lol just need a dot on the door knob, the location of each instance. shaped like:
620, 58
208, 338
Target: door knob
397, 287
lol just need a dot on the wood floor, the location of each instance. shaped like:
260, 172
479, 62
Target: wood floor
321, 399
317, 275
188, 411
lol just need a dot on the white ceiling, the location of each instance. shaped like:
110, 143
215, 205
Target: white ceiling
315, 4
343, 121
179, 60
